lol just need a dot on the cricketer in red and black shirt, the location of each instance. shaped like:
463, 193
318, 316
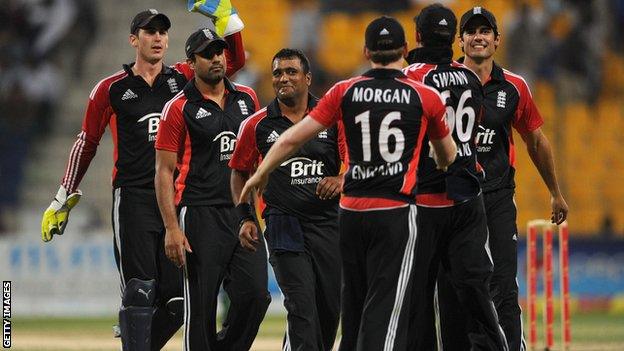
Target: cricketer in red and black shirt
196, 138
301, 212
452, 224
385, 117
130, 103
507, 104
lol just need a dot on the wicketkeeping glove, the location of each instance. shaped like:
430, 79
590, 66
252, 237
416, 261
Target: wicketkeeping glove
222, 13
56, 216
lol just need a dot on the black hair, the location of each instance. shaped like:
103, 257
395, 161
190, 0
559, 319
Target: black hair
385, 57
288, 53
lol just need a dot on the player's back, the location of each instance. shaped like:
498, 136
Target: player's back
461, 91
385, 117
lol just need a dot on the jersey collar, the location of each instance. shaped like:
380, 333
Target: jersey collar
384, 73
273, 109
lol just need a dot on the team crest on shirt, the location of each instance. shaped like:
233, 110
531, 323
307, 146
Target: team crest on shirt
173, 85
243, 107
501, 99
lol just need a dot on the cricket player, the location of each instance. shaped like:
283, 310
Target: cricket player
195, 141
451, 215
130, 102
301, 212
508, 104
385, 117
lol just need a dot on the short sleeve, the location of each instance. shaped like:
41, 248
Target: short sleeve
172, 129
327, 111
527, 117
246, 153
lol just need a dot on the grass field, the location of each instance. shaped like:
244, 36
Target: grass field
590, 332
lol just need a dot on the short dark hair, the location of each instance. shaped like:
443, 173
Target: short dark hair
385, 57
288, 53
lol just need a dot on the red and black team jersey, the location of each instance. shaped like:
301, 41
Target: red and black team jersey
292, 186
461, 91
132, 109
204, 136
385, 117
508, 103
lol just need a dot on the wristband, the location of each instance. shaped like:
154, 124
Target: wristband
244, 212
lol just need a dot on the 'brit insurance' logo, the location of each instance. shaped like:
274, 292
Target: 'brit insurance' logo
304, 170
485, 139
153, 119
227, 142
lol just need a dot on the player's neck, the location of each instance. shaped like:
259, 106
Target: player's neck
294, 110
483, 68
149, 71
211, 91
392, 65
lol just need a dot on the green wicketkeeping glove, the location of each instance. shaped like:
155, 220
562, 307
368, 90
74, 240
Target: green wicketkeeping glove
56, 216
222, 13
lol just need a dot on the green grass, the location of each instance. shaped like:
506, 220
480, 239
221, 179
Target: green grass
589, 332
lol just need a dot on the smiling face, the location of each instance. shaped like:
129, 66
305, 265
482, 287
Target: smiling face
478, 40
289, 79
151, 44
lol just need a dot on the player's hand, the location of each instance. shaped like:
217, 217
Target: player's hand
221, 12
176, 246
56, 215
559, 209
329, 187
257, 182
248, 235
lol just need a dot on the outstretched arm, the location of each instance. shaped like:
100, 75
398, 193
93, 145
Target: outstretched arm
289, 142
540, 151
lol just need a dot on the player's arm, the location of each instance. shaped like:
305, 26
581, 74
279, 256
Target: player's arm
331, 186
541, 154
243, 162
248, 231
289, 142
528, 121
169, 140
444, 151
97, 116
176, 243
444, 148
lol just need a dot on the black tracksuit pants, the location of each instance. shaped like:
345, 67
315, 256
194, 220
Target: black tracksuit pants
377, 249
309, 278
140, 253
452, 250
218, 258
